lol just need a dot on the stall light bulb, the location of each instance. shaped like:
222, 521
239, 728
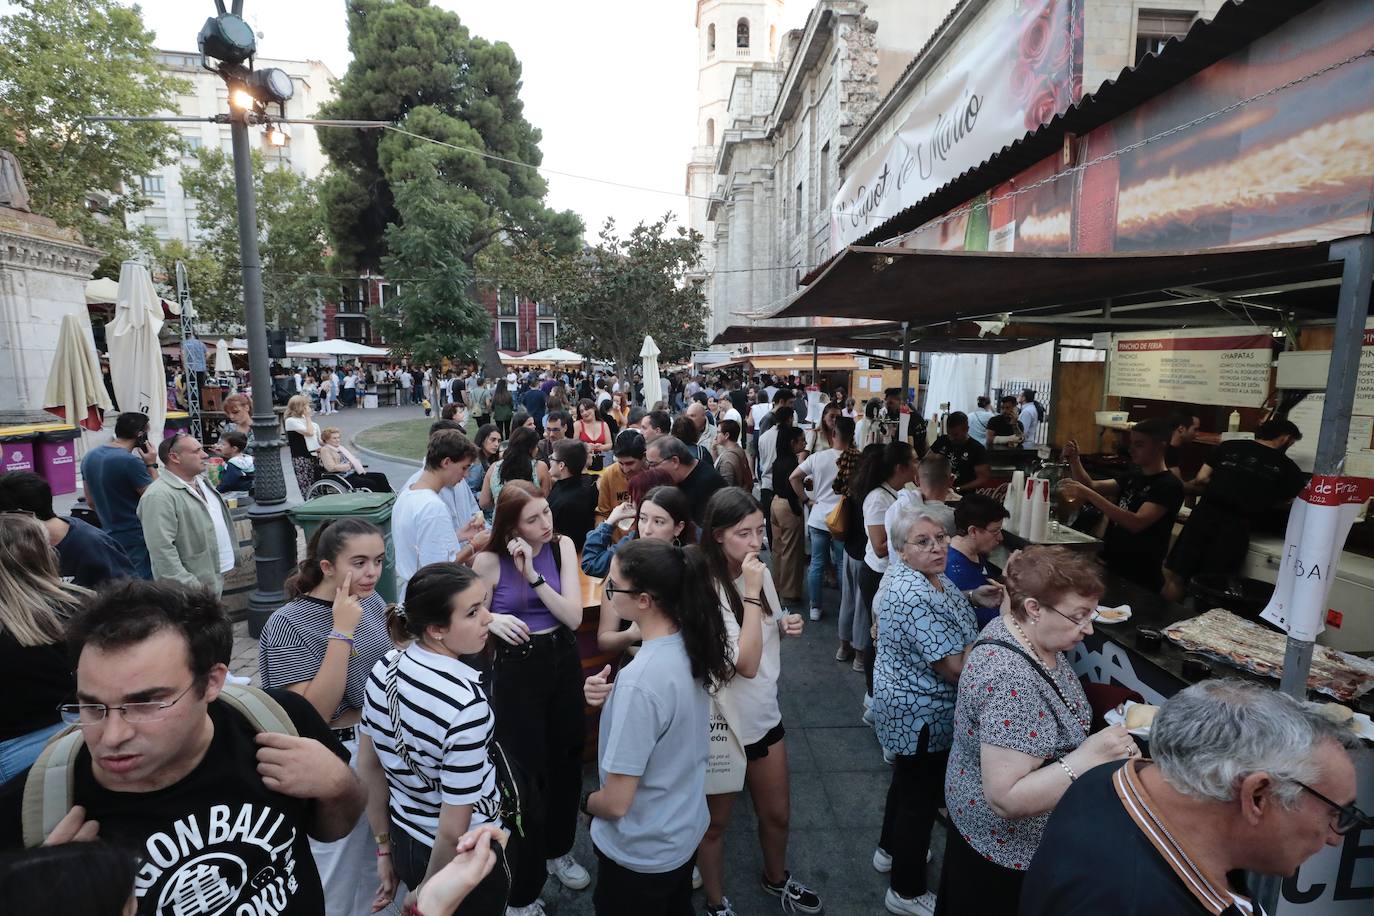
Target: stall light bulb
276, 137
242, 99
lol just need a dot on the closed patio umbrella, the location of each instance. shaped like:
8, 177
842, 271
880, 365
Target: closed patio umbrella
653, 382
135, 352
75, 391
223, 364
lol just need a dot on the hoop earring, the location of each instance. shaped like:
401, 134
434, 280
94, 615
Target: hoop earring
677, 540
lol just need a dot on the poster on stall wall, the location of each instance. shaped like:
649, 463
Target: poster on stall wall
1318, 524
1025, 70
1228, 367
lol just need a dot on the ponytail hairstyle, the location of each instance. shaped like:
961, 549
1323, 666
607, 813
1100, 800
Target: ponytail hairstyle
879, 462
673, 501
429, 600
518, 462
678, 580
728, 507
327, 543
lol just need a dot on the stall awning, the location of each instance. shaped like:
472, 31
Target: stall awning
799, 362
957, 337
930, 287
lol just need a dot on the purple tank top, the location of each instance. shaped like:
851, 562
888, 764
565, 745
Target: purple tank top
513, 594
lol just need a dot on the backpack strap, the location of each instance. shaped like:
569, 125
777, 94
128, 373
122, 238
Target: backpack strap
257, 706
48, 788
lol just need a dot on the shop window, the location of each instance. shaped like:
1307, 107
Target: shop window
742, 34
1154, 28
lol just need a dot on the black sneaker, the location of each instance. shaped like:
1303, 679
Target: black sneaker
796, 897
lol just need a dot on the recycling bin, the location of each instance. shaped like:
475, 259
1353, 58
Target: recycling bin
17, 452
55, 458
373, 507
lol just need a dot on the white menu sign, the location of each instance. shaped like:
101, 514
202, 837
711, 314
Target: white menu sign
1228, 367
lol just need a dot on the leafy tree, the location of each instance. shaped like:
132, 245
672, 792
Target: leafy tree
291, 242
609, 296
432, 314
416, 66
60, 60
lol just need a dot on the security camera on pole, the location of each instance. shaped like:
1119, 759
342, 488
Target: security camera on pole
227, 47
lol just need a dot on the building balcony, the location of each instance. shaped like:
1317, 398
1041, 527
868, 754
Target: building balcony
355, 307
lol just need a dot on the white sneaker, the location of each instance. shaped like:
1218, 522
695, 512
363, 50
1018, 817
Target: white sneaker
815, 613
882, 862
534, 909
566, 870
923, 905
696, 878
725, 909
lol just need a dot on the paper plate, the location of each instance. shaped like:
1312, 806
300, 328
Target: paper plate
1111, 615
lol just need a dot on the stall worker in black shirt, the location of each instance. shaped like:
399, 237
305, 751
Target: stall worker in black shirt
1005, 423
968, 459
1140, 508
1186, 426
1241, 481
1244, 779
217, 804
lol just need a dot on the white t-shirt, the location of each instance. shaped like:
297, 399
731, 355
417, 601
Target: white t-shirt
423, 533
311, 433
733, 414
750, 704
223, 539
768, 452
876, 505
757, 412
822, 468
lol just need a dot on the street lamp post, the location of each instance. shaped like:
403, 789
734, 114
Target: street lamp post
227, 39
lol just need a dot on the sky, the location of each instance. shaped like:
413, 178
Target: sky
610, 83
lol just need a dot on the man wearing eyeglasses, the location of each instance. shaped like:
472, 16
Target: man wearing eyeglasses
218, 813
186, 523
1244, 779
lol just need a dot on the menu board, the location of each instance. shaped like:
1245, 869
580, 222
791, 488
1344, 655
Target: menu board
1228, 367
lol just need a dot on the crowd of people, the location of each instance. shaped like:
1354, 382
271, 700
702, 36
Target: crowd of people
429, 754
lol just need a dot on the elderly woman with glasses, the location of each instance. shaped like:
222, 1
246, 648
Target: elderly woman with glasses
926, 627
1020, 730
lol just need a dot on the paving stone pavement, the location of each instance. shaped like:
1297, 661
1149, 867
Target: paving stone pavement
838, 778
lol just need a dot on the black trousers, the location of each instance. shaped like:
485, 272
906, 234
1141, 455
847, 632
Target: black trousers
537, 698
622, 892
970, 885
869, 580
766, 503
410, 859
916, 791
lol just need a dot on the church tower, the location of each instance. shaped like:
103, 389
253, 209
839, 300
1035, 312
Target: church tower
730, 34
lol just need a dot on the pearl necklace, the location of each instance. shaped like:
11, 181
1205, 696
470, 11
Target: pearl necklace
1035, 654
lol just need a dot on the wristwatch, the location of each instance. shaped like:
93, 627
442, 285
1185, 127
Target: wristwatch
382, 839
538, 582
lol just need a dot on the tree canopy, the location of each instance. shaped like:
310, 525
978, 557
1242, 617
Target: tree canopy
61, 60
291, 243
418, 67
612, 294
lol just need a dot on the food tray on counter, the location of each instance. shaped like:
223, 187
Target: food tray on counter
1235, 641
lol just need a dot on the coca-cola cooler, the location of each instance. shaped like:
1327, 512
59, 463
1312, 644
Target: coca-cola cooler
55, 459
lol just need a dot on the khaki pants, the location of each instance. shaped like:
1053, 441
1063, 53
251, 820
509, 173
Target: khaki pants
788, 555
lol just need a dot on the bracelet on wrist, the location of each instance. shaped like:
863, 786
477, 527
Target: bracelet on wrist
1073, 777
341, 636
757, 601
381, 853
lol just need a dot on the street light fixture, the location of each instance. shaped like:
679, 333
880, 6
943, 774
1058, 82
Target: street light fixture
226, 42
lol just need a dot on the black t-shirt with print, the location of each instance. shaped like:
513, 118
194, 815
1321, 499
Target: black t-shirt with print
1003, 425
963, 457
1140, 556
217, 841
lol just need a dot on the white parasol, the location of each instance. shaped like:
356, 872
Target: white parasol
653, 382
140, 384
75, 391
223, 364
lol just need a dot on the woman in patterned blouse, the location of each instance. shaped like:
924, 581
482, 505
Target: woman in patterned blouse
926, 628
1020, 730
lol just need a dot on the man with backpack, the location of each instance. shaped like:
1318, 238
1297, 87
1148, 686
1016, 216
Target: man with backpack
216, 788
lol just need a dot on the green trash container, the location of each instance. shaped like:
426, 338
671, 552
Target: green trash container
374, 507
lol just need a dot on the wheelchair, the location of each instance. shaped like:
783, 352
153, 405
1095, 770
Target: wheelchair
328, 484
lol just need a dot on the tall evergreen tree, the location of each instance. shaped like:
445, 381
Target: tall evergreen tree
417, 67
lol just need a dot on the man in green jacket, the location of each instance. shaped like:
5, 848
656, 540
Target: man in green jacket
186, 523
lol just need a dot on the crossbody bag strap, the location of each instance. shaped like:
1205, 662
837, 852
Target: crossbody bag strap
393, 704
1034, 667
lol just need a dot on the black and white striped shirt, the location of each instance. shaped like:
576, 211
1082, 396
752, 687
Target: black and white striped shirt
292, 645
447, 727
